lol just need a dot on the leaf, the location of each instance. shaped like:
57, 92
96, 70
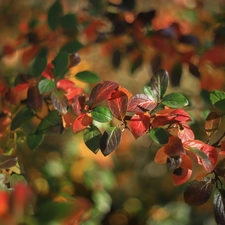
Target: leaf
110, 140
198, 192
82, 122
15, 179
175, 74
159, 135
72, 47
60, 63
92, 137
45, 86
78, 104
161, 156
175, 100
174, 147
212, 123
34, 98
220, 168
88, 77
69, 24
219, 206
65, 84
116, 58
136, 64
101, 114
217, 98
39, 65
59, 101
185, 133
34, 140
139, 124
101, 92
51, 124
54, 14
149, 91
141, 103
118, 104
7, 161
22, 117
159, 83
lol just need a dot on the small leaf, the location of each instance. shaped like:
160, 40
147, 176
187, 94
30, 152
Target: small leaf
212, 123
219, 206
60, 63
54, 15
159, 83
110, 140
88, 77
82, 122
217, 98
34, 140
71, 47
7, 161
34, 98
198, 192
22, 117
39, 65
101, 114
175, 100
175, 74
92, 137
46, 86
159, 135
59, 101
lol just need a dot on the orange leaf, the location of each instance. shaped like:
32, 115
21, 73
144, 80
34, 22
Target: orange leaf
174, 147
81, 122
161, 156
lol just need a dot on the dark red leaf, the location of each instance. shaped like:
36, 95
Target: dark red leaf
59, 101
81, 122
78, 104
21, 87
101, 92
34, 98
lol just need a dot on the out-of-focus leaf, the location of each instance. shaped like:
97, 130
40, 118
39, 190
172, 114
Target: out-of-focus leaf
59, 101
189, 40
46, 86
69, 24
220, 168
71, 47
92, 136
217, 98
39, 65
54, 15
101, 114
74, 59
110, 140
15, 179
193, 69
159, 83
88, 77
34, 98
60, 63
219, 206
101, 92
212, 123
136, 64
116, 58
141, 103
51, 124
161, 156
34, 140
159, 135
22, 117
175, 100
156, 62
7, 161
198, 192
175, 74
118, 104
82, 122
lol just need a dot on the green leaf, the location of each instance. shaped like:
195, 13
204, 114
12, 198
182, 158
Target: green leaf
159, 135
159, 83
59, 101
22, 117
175, 100
15, 179
39, 65
51, 124
60, 64
54, 15
101, 114
149, 91
69, 23
88, 77
217, 98
34, 140
92, 136
72, 47
7, 161
46, 86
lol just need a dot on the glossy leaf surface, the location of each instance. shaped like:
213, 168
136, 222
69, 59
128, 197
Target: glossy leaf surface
46, 86
217, 98
175, 100
219, 206
101, 114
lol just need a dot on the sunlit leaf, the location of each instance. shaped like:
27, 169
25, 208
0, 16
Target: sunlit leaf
88, 77
161, 156
46, 86
198, 192
22, 117
101, 92
101, 114
219, 206
217, 98
34, 140
118, 104
59, 101
175, 100
149, 91
185, 133
82, 122
174, 147
65, 84
71, 47
139, 124
34, 98
212, 123
110, 140
60, 63
159, 135
7, 161
92, 136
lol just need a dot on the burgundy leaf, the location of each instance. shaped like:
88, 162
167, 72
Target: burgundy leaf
219, 206
78, 104
34, 98
81, 122
59, 101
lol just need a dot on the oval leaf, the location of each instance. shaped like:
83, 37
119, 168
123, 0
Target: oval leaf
34, 98
59, 101
175, 100
7, 161
60, 64
101, 114
34, 140
217, 98
82, 122
88, 77
219, 206
212, 123
72, 47
159, 135
46, 86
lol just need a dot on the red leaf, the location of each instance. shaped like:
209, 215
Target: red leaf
3, 88
29, 54
78, 104
222, 148
139, 124
101, 92
193, 144
185, 133
81, 122
21, 87
161, 156
8, 50
47, 73
67, 120
4, 202
72, 92
185, 171
65, 84
174, 147
118, 104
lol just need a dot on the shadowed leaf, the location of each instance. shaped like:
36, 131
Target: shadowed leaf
7, 161
212, 123
60, 63
34, 98
175, 74
34, 140
71, 47
159, 135
219, 206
